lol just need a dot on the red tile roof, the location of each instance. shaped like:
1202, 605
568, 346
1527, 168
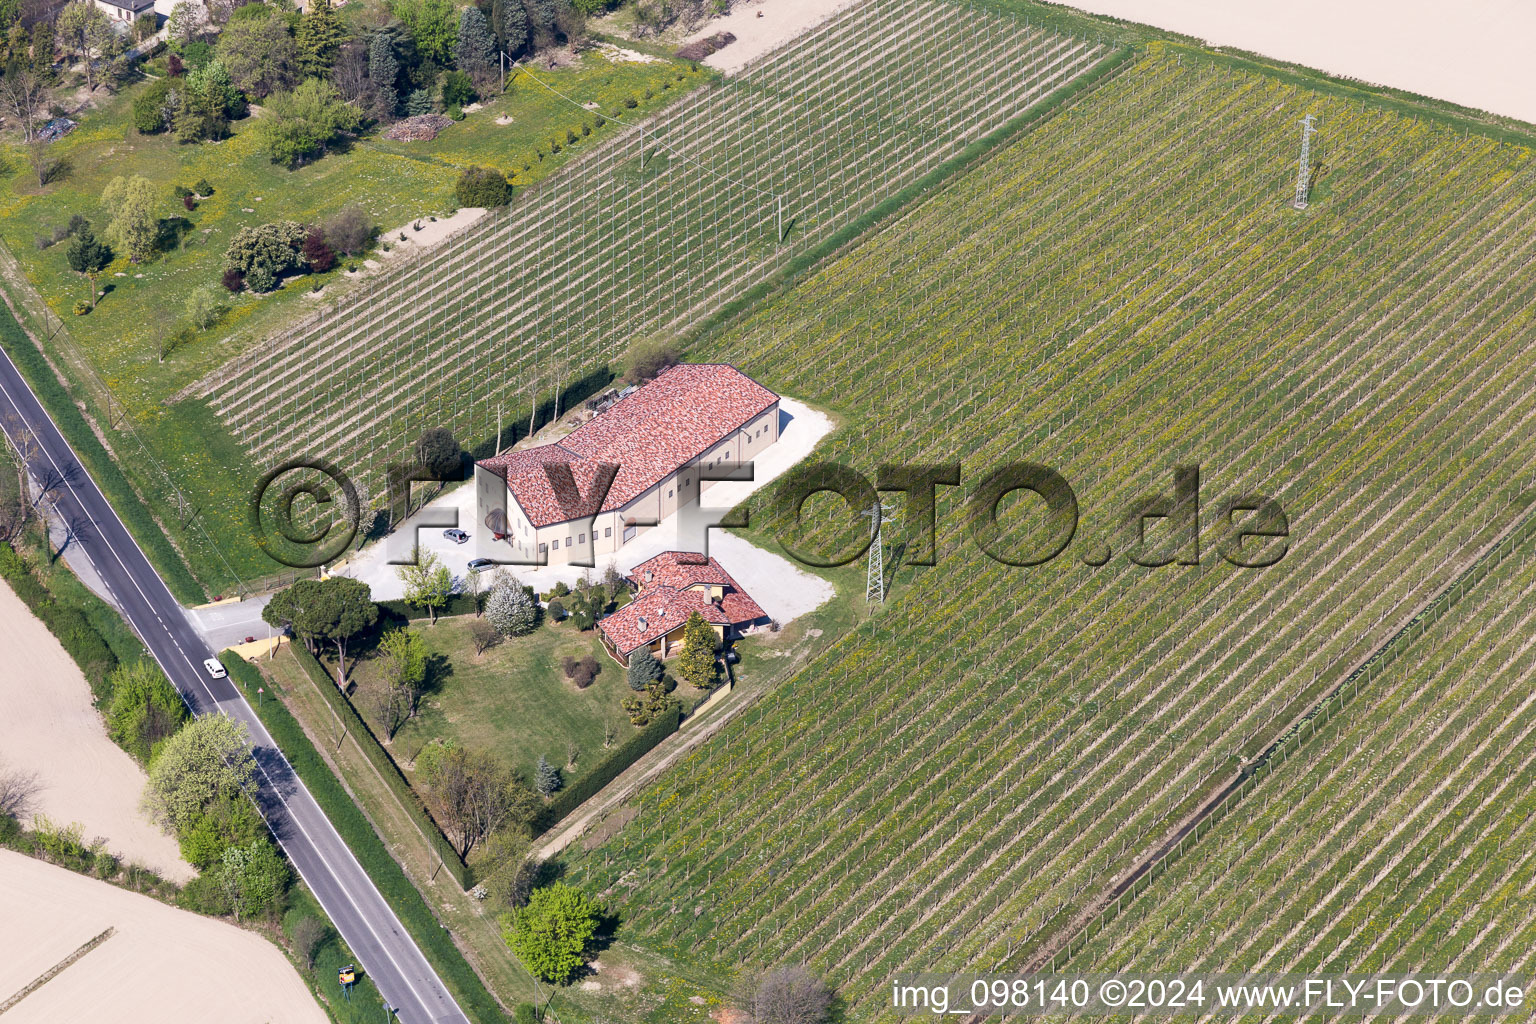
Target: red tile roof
680, 569
649, 435
663, 606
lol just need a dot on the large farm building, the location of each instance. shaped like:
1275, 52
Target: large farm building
659, 436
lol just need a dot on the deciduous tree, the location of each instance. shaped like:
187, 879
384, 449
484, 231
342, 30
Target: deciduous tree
403, 665
428, 583
88, 31
145, 708
189, 22
473, 794
130, 202
260, 55
204, 306
205, 760
300, 125
509, 607
483, 635
553, 934
786, 995
26, 96
254, 879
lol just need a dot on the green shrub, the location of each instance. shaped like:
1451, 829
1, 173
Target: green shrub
143, 708
482, 186
81, 307
104, 865
231, 821
458, 90
11, 832
152, 106
85, 645
204, 895
59, 843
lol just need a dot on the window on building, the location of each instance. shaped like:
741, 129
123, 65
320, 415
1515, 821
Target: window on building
669, 492
582, 539
607, 531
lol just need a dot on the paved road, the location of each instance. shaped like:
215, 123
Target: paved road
384, 949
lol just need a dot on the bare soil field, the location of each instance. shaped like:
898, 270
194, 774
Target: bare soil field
51, 728
761, 26
159, 965
1474, 53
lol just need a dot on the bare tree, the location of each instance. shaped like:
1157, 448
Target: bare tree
483, 635
308, 933
18, 791
473, 794
44, 166
785, 995
351, 73
25, 95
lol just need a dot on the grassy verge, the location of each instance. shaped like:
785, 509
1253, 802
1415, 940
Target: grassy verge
385, 769
98, 462
360, 837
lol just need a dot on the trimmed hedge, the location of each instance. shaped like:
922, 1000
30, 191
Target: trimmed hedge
385, 764
125, 500
611, 767
458, 604
369, 849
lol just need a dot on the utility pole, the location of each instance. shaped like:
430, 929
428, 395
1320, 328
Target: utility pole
1304, 166
874, 587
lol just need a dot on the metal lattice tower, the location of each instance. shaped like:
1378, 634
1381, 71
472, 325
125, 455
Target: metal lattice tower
874, 585
1304, 165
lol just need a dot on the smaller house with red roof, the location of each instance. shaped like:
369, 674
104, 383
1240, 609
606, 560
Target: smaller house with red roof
670, 588
594, 490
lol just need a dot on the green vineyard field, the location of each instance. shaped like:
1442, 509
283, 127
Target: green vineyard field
1398, 839
1123, 290
524, 309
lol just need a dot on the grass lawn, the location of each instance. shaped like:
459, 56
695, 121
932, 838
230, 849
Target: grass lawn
395, 183
633, 984
514, 699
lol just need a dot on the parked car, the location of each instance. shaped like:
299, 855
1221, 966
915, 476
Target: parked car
213, 668
477, 564
457, 536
